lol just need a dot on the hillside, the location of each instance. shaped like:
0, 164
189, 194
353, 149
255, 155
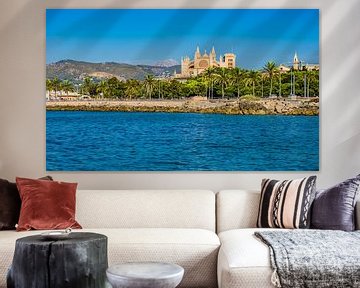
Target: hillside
76, 71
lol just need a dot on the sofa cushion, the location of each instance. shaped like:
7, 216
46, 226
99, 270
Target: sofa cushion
286, 204
153, 209
334, 208
46, 204
244, 261
194, 249
10, 204
236, 209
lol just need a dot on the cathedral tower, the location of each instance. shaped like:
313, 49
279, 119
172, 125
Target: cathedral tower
185, 66
212, 57
296, 62
229, 60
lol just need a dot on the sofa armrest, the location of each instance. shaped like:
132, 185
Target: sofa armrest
357, 215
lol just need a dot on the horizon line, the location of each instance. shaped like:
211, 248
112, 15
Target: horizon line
179, 64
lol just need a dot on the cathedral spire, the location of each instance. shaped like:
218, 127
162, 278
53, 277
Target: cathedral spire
296, 59
296, 63
197, 53
213, 51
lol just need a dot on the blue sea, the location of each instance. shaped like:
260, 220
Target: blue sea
131, 141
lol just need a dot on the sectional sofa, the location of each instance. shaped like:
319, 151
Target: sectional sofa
209, 234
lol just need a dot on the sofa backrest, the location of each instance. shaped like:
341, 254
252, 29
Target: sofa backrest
236, 209
146, 209
239, 209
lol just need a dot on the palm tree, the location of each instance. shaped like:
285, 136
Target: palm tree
49, 86
67, 87
237, 76
270, 69
279, 73
208, 76
292, 82
160, 84
222, 78
114, 88
132, 87
102, 88
149, 84
304, 74
56, 85
87, 85
311, 77
174, 89
262, 77
252, 78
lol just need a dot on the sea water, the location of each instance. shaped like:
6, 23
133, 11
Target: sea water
132, 141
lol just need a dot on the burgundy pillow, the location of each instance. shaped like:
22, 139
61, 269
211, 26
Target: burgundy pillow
10, 204
46, 204
334, 208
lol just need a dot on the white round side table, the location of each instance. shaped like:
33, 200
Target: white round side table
145, 275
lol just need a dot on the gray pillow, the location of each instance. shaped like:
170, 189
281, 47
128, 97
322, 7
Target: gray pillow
334, 208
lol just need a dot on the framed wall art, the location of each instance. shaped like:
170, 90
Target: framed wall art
182, 89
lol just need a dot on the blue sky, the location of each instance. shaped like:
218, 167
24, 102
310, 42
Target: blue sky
146, 36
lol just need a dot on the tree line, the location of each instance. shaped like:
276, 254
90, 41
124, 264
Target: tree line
213, 83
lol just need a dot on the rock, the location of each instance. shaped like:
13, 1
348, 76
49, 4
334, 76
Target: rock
236, 107
278, 109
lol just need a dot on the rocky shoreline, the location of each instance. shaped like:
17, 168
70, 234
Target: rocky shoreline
307, 106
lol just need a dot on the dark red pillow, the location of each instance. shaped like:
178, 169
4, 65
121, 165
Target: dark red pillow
10, 204
46, 204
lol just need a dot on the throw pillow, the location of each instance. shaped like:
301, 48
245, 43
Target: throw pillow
10, 203
286, 204
46, 204
334, 208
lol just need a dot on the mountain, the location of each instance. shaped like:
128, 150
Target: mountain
76, 71
167, 63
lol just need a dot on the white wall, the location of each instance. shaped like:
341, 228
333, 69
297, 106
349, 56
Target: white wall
22, 88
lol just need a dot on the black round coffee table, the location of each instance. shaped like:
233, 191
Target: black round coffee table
80, 261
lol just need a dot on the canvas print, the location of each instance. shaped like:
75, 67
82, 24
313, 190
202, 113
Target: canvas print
182, 89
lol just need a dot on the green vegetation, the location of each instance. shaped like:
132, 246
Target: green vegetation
214, 83
59, 86
149, 84
270, 71
250, 98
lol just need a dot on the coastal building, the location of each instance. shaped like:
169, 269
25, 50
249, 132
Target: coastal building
201, 62
298, 65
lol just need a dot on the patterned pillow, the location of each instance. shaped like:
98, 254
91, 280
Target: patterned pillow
286, 204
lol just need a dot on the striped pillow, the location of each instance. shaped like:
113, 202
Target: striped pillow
286, 204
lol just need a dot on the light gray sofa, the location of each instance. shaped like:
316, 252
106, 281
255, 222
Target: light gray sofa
243, 261
175, 226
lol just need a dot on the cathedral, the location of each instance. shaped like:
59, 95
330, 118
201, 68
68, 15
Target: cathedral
190, 68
